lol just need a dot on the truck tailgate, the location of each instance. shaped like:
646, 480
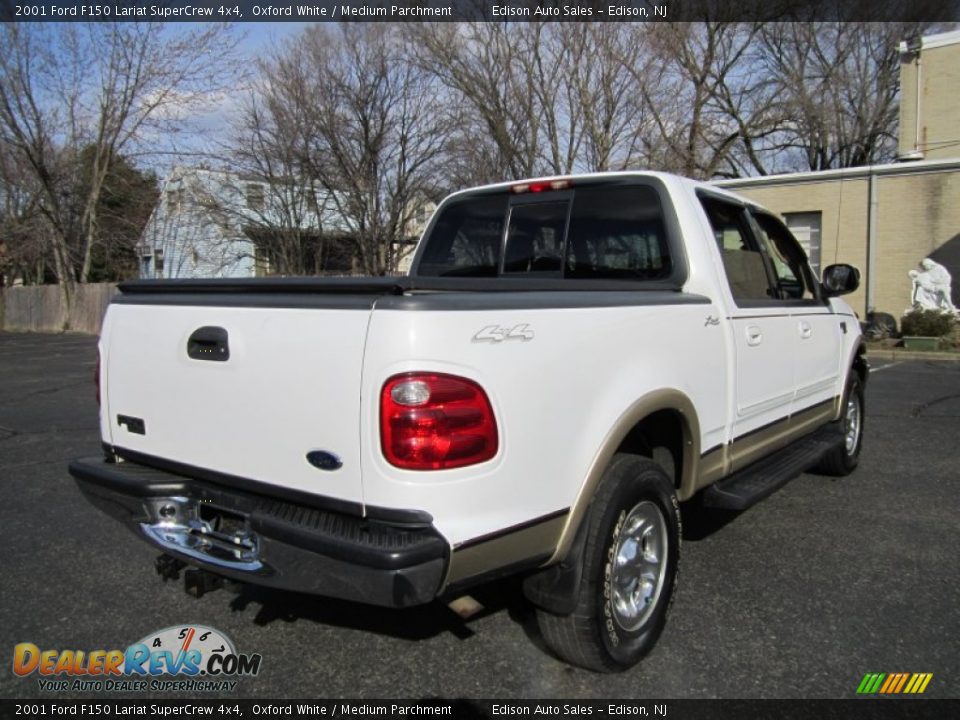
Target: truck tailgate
279, 384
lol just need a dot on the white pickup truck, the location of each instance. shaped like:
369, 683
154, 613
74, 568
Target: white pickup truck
568, 360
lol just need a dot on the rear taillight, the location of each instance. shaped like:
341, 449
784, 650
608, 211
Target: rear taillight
96, 377
431, 421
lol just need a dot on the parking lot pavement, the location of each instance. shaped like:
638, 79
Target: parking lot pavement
798, 597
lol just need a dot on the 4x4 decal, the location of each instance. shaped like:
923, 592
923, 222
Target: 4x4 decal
496, 334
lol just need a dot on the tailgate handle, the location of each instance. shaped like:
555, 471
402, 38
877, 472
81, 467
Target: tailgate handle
209, 343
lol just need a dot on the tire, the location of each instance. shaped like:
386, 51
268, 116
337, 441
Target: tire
843, 459
618, 618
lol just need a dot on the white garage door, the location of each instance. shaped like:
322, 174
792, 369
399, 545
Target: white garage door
806, 228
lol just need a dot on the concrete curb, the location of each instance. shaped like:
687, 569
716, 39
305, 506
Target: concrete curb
897, 354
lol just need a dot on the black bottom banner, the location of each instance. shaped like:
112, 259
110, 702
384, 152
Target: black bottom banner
450, 708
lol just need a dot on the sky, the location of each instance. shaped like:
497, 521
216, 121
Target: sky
261, 36
210, 129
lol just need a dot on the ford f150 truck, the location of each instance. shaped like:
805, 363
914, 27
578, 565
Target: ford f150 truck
567, 360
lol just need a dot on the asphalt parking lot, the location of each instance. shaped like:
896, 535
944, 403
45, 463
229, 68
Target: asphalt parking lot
798, 597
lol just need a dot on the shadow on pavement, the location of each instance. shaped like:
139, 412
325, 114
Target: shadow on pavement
701, 522
416, 623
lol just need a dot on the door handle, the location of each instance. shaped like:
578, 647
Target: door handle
754, 335
805, 330
209, 343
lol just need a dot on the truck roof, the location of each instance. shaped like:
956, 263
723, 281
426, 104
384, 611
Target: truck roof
581, 178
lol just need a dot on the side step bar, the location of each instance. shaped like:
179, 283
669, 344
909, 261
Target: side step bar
764, 477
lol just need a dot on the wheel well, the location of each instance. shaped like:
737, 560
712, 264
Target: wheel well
860, 364
660, 437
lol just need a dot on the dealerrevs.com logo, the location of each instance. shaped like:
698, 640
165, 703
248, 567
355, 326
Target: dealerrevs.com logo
180, 658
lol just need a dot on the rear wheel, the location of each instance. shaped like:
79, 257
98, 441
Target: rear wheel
629, 570
843, 459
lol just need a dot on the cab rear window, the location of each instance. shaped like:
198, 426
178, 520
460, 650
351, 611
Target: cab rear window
595, 232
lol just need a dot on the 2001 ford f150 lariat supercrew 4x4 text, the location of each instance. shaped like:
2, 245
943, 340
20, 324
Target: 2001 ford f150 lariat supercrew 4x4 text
567, 360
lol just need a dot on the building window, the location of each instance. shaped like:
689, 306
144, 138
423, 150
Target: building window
255, 196
158, 262
805, 227
174, 199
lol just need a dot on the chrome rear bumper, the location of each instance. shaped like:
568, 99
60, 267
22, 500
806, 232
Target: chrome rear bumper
268, 541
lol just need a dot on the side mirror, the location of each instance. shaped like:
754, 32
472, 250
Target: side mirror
840, 280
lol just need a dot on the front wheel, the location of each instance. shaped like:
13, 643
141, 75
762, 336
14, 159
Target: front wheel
843, 459
629, 570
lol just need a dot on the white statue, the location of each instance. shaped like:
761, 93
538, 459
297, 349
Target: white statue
931, 287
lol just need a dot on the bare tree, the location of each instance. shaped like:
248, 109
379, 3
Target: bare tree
608, 64
290, 217
839, 83
66, 88
487, 71
538, 98
371, 129
551, 76
706, 102
22, 228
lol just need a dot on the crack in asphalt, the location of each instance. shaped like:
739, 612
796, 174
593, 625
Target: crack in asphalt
919, 409
36, 463
10, 433
51, 391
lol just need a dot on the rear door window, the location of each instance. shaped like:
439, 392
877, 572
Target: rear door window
745, 264
790, 265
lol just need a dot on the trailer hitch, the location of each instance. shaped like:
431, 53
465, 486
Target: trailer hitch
199, 582
168, 567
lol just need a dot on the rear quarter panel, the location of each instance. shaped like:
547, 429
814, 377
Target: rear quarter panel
556, 397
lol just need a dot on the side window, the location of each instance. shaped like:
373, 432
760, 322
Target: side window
789, 263
743, 262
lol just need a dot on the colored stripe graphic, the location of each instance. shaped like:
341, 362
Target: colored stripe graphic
894, 683
890, 680
870, 683
903, 681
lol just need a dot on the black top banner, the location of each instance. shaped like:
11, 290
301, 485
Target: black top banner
478, 10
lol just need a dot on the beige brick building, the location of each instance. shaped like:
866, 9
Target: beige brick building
929, 90
885, 219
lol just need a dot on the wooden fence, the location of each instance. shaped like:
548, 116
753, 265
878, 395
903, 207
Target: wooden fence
41, 308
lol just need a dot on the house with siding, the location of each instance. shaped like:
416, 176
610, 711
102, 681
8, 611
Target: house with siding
215, 224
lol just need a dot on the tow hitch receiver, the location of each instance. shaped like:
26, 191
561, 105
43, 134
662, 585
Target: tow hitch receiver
168, 567
202, 531
196, 582
199, 582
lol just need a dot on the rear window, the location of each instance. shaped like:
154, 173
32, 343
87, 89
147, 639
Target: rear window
596, 232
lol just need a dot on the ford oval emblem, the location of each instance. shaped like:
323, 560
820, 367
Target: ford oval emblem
324, 460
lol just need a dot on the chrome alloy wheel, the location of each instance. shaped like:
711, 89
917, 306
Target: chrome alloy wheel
639, 566
851, 424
